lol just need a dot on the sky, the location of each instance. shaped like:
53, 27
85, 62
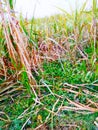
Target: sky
42, 8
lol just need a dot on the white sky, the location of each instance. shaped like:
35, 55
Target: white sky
42, 8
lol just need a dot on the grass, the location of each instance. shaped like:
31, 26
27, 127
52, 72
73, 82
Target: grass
49, 70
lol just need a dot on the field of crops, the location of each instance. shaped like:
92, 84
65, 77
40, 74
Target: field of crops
49, 70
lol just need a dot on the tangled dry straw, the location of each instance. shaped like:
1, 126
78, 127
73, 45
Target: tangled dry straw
23, 55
